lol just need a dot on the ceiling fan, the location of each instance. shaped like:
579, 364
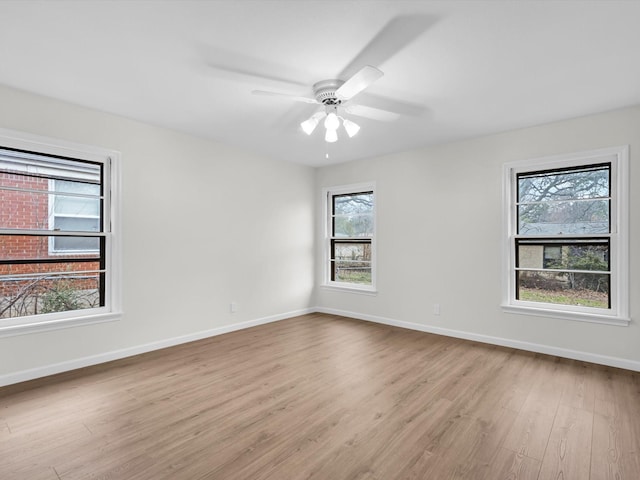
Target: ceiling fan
337, 93
336, 96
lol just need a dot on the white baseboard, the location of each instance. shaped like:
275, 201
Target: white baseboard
53, 369
504, 342
33, 373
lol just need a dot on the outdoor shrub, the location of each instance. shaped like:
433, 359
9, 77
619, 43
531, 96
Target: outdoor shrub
61, 297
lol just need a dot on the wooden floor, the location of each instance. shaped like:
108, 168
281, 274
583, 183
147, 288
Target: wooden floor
326, 398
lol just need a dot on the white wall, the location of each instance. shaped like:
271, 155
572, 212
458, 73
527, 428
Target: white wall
203, 225
206, 224
439, 238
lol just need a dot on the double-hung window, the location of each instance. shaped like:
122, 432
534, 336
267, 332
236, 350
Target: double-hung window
566, 222
57, 245
350, 239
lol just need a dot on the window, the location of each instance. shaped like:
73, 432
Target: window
566, 230
350, 239
58, 251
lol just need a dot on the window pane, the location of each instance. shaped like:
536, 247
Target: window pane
33, 210
590, 182
47, 293
66, 186
35, 165
351, 251
35, 247
355, 203
68, 266
76, 224
353, 215
25, 210
582, 289
76, 244
80, 206
566, 217
351, 262
564, 256
352, 272
16, 180
353, 226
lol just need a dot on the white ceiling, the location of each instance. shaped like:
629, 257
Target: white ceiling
456, 69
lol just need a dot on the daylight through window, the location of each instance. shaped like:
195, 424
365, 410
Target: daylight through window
563, 236
351, 236
54, 224
566, 245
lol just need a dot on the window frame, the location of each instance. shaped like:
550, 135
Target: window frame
110, 159
618, 313
328, 194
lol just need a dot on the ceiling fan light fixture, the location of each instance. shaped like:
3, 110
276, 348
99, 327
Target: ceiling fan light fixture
331, 135
333, 94
332, 122
351, 127
310, 124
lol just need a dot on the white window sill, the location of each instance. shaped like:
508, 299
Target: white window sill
567, 315
350, 289
23, 326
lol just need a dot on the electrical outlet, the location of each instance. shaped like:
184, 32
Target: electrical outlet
233, 307
436, 309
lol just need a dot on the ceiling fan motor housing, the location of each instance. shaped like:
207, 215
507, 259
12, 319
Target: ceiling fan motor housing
325, 91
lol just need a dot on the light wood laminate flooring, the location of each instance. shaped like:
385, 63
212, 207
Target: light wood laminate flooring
321, 397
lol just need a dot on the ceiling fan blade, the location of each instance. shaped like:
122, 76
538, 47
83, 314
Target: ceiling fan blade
252, 78
401, 107
294, 98
394, 36
358, 82
372, 113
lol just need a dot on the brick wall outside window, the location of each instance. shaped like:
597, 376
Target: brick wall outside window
27, 210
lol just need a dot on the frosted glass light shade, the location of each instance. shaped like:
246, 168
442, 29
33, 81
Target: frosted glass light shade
351, 127
331, 122
310, 124
331, 135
